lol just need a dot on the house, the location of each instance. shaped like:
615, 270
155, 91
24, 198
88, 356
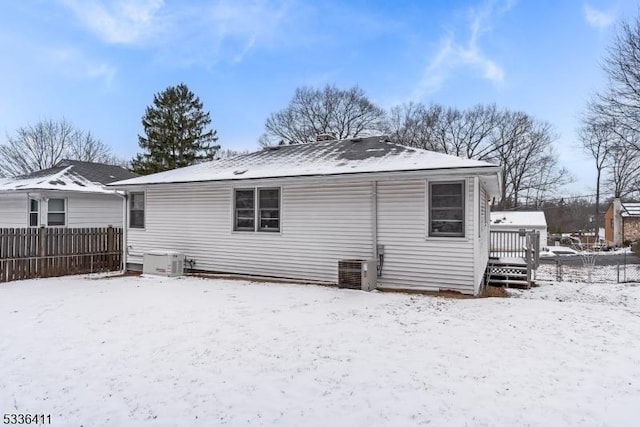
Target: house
70, 194
621, 223
294, 211
519, 220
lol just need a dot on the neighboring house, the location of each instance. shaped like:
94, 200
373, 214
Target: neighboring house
621, 223
515, 221
294, 211
70, 194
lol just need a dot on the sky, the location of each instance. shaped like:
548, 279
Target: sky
99, 63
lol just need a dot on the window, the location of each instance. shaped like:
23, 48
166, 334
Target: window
56, 212
269, 209
446, 209
261, 213
136, 210
34, 209
244, 208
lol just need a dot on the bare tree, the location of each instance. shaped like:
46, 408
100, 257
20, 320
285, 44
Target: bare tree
597, 136
620, 102
311, 112
414, 125
520, 143
43, 145
84, 146
532, 170
623, 164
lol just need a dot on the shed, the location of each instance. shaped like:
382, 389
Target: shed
518, 220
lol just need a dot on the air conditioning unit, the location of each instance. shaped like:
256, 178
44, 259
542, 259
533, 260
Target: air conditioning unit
357, 274
163, 263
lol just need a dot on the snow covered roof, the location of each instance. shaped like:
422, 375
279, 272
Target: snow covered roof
349, 156
630, 209
519, 219
68, 175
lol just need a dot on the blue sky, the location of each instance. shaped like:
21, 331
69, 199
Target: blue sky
99, 63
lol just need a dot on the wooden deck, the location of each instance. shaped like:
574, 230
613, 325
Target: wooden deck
514, 255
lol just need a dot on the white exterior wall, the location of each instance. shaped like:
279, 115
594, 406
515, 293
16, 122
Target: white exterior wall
319, 224
94, 210
13, 210
412, 259
82, 210
484, 236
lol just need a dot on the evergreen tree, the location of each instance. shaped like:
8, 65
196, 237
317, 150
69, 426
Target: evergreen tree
176, 133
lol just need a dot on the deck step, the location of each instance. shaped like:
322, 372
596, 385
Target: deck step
507, 272
519, 284
510, 283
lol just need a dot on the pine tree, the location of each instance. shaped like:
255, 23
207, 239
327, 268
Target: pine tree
176, 133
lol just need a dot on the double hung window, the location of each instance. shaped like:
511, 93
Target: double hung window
256, 209
446, 209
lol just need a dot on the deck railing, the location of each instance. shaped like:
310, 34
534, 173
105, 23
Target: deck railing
524, 244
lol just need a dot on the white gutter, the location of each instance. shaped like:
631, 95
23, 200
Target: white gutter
445, 173
124, 231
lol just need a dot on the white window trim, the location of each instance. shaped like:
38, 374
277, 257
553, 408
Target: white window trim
144, 212
66, 211
465, 206
256, 209
29, 211
233, 210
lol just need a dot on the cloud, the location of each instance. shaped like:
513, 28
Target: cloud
597, 18
120, 21
186, 33
74, 63
452, 55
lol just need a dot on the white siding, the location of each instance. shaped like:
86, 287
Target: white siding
82, 210
94, 210
482, 243
413, 260
13, 210
320, 225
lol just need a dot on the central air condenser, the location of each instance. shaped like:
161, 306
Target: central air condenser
357, 274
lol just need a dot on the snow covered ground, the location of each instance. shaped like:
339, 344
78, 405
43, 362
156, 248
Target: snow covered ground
189, 351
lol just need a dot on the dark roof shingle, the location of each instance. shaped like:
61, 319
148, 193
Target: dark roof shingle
94, 172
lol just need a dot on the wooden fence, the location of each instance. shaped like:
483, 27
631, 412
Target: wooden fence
27, 253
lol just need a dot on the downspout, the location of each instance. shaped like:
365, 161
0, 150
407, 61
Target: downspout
374, 218
124, 231
377, 250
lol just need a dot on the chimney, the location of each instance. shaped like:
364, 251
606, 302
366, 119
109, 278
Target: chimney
617, 222
325, 137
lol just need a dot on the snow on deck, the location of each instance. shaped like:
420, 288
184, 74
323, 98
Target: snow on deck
165, 352
63, 180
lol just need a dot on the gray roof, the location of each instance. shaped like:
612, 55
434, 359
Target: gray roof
349, 156
94, 172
